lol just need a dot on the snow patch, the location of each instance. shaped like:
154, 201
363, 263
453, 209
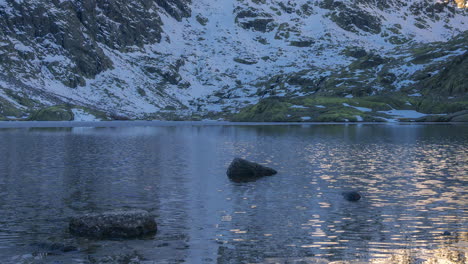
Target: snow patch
206, 54
404, 113
298, 106
83, 116
362, 109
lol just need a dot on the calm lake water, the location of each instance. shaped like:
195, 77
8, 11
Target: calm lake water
413, 179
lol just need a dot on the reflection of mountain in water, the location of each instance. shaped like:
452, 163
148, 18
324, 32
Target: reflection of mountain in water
413, 190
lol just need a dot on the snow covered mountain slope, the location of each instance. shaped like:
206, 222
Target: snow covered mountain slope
181, 58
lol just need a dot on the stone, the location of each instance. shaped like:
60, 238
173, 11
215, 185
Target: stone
53, 113
351, 20
241, 170
247, 61
460, 118
351, 196
301, 43
450, 80
259, 24
255, 20
356, 52
114, 224
369, 61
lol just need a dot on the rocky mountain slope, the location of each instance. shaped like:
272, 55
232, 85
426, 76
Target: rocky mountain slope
245, 60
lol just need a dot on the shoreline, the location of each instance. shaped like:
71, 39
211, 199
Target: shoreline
158, 123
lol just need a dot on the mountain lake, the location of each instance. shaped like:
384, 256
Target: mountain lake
412, 177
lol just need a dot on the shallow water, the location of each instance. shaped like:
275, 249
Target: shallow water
413, 179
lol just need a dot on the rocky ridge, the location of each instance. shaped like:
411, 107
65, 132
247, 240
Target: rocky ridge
155, 59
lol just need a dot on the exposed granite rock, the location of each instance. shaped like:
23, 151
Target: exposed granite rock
248, 61
241, 170
69, 37
460, 116
369, 61
301, 43
114, 224
452, 79
352, 19
176, 8
254, 19
116, 55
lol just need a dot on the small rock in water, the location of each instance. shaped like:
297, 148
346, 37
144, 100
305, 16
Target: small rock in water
114, 224
447, 233
351, 196
242, 170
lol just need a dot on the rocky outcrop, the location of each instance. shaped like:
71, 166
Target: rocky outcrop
460, 116
255, 20
53, 113
114, 224
241, 170
173, 59
69, 37
451, 79
352, 19
369, 61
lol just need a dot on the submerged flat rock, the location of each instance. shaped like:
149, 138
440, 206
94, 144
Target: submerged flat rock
114, 224
241, 170
54, 247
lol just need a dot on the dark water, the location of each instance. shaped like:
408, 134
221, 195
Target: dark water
413, 179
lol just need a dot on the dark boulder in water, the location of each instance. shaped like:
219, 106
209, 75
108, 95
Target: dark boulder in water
242, 170
114, 224
351, 196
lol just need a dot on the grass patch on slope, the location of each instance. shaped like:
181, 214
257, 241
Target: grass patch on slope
341, 109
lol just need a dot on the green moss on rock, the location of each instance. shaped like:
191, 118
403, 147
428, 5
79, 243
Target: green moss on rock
21, 98
336, 117
53, 113
452, 78
460, 118
8, 109
433, 105
341, 109
267, 110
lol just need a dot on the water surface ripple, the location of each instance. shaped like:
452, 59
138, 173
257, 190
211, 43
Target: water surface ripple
413, 179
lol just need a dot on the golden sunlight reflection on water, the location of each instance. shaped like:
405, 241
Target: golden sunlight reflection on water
413, 181
404, 187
